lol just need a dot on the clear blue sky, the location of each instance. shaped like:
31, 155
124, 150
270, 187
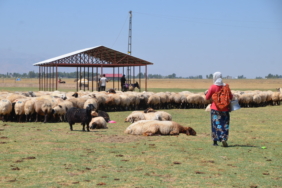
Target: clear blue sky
184, 37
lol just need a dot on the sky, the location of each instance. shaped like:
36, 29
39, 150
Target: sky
185, 37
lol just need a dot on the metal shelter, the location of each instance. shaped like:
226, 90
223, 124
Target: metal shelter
85, 61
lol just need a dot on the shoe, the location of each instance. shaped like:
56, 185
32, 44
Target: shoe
224, 143
215, 144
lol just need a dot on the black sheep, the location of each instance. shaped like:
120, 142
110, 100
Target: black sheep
105, 115
77, 115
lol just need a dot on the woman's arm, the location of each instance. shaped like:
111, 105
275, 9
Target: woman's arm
209, 93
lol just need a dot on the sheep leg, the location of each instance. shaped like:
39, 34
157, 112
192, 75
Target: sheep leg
148, 133
87, 126
83, 126
36, 117
45, 118
174, 133
3, 118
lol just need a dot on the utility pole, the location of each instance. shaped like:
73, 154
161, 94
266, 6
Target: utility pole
130, 33
129, 45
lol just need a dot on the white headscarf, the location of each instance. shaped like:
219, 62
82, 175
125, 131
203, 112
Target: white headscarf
217, 79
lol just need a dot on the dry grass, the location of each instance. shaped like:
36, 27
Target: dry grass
242, 84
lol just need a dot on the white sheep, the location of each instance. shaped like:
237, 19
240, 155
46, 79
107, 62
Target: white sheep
5, 109
152, 127
19, 108
98, 123
61, 109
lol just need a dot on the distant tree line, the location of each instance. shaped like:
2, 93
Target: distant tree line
32, 74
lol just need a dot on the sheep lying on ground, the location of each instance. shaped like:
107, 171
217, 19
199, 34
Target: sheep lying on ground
137, 116
148, 114
77, 115
153, 127
98, 123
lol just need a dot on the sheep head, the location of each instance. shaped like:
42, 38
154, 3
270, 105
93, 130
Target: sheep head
94, 114
190, 131
93, 126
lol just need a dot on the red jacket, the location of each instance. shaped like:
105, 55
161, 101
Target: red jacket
211, 91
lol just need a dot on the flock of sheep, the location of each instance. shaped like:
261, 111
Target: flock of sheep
89, 108
52, 106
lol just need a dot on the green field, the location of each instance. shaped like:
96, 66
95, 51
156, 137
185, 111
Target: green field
50, 155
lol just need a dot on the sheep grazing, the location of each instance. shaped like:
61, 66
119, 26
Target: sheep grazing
43, 107
5, 109
29, 109
98, 123
19, 108
77, 115
62, 109
153, 127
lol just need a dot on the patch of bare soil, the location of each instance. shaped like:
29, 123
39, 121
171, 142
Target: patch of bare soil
117, 138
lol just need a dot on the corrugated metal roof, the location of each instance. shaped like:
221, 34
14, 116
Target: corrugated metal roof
63, 56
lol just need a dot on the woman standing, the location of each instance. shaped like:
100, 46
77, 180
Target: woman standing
219, 118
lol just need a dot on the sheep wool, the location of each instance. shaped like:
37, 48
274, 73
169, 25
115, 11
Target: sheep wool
153, 127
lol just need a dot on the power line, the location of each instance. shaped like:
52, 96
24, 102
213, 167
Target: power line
120, 31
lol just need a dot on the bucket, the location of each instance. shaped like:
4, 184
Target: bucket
234, 105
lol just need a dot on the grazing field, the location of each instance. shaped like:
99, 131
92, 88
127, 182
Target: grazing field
50, 155
154, 85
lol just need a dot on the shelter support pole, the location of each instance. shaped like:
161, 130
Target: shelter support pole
97, 85
133, 74
39, 78
146, 78
76, 78
118, 79
140, 78
79, 78
50, 79
84, 78
92, 76
88, 79
113, 77
53, 77
56, 77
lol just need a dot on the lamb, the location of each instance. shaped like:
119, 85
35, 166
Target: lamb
152, 127
83, 116
98, 123
5, 109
